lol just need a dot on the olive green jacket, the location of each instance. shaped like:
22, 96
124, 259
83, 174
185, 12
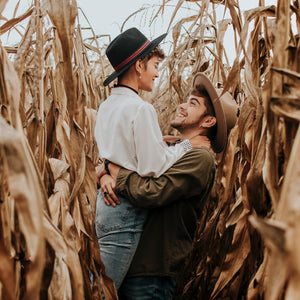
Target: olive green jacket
175, 200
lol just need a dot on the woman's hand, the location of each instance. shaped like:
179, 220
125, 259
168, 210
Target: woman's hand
108, 185
114, 170
171, 139
100, 171
201, 141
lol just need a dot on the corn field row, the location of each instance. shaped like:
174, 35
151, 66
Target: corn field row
247, 240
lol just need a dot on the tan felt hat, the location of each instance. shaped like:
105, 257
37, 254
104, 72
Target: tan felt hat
225, 109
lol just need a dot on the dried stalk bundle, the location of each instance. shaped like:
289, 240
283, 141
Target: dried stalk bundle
246, 245
48, 155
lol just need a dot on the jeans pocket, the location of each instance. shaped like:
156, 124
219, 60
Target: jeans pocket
109, 218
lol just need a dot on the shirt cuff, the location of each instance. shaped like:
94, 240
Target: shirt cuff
186, 144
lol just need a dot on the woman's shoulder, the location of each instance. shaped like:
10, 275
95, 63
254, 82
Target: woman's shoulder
146, 107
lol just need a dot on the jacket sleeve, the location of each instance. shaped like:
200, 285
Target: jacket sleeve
191, 175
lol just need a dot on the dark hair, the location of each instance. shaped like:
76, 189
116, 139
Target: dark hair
157, 51
200, 91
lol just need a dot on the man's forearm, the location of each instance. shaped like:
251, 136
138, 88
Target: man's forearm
146, 192
187, 178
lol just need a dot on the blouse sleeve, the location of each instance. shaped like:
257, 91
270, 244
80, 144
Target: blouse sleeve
154, 157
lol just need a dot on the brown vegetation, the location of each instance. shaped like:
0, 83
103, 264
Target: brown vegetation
246, 245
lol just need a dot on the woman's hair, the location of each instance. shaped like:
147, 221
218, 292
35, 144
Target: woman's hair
157, 51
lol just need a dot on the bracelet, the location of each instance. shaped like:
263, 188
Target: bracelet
187, 146
106, 162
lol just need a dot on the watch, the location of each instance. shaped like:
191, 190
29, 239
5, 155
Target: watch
106, 162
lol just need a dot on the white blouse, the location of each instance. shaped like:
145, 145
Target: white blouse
127, 133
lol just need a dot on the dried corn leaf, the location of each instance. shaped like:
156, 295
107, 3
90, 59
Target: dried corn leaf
6, 268
66, 254
9, 90
12, 22
63, 14
276, 270
179, 4
288, 107
236, 21
235, 259
27, 191
2, 6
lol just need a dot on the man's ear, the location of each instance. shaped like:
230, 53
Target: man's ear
209, 121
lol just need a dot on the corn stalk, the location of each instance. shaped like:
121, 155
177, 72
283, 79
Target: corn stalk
48, 155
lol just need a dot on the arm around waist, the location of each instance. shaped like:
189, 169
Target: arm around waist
189, 176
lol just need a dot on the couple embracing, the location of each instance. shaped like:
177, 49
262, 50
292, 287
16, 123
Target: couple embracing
152, 194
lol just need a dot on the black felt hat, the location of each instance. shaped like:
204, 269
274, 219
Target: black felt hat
126, 49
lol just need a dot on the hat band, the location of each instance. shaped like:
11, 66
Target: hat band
136, 53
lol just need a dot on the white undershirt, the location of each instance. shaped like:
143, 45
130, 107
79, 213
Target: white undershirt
127, 133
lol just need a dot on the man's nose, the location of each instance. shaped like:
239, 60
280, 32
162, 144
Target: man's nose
182, 106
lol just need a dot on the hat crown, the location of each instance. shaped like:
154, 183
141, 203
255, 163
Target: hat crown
229, 106
124, 46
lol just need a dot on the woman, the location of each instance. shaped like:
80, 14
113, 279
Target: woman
128, 134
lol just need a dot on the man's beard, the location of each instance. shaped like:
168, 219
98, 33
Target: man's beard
177, 126
181, 126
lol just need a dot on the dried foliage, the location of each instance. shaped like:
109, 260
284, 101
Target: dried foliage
256, 191
48, 106
246, 244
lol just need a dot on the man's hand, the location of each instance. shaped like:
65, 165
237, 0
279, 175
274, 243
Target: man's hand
108, 185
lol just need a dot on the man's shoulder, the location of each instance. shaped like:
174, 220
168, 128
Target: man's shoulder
200, 153
198, 159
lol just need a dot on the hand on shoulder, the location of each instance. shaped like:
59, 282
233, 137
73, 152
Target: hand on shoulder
201, 141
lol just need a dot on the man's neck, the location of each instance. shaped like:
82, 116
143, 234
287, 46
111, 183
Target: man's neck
198, 136
189, 134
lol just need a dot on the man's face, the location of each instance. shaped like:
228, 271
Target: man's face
191, 114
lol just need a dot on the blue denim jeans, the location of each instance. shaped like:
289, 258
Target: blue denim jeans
147, 288
118, 231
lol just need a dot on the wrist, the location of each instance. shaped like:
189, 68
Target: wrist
106, 163
187, 145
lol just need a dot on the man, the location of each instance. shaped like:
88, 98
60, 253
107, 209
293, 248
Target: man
175, 199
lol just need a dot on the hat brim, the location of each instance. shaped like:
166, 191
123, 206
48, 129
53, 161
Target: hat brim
220, 140
148, 49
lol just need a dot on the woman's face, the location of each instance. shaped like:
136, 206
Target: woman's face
148, 74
